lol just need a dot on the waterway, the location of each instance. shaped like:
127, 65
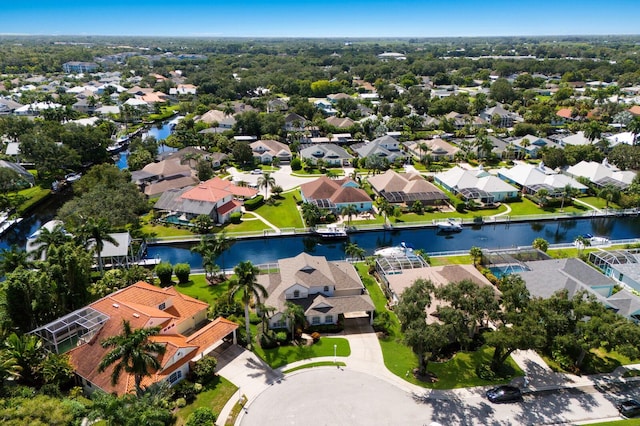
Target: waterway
160, 133
494, 236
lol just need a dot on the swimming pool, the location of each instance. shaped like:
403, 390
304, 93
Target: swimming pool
502, 270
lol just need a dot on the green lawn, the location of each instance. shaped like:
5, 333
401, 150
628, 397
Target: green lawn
599, 361
284, 355
527, 207
450, 260
315, 364
598, 202
249, 223
161, 231
284, 212
215, 396
626, 422
198, 288
32, 196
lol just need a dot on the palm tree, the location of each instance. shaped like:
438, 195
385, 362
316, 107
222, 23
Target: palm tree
210, 248
311, 214
476, 254
353, 251
540, 244
634, 128
12, 258
132, 352
96, 232
424, 150
49, 238
349, 210
385, 208
581, 242
247, 285
567, 192
265, 312
28, 353
266, 181
484, 146
609, 193
295, 314
593, 131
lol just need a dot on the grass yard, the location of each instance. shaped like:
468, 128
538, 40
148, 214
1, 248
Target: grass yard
31, 196
451, 260
249, 223
160, 231
283, 213
527, 207
198, 288
214, 396
626, 422
598, 202
284, 355
599, 361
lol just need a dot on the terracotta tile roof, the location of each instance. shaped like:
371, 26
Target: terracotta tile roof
635, 110
216, 189
86, 357
227, 207
565, 113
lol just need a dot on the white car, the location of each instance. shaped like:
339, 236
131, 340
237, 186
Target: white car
256, 171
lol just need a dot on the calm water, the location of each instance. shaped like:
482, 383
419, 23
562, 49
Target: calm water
270, 250
160, 133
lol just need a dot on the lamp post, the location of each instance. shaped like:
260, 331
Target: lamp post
335, 348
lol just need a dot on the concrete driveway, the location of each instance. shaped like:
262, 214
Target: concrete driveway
282, 177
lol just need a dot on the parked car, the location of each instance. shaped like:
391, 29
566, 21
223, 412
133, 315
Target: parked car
504, 393
629, 408
256, 171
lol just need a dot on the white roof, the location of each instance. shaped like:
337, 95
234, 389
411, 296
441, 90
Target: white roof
625, 137
13, 148
122, 238
460, 178
37, 106
90, 121
577, 139
135, 102
108, 109
528, 175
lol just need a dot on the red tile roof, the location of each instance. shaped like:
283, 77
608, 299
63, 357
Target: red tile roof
635, 110
564, 113
216, 189
138, 304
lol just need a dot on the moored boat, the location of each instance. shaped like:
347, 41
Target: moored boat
402, 250
449, 225
331, 231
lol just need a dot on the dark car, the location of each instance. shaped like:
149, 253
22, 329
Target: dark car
504, 394
629, 408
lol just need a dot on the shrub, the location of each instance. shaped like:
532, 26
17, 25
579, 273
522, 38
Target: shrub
184, 390
182, 271
201, 416
281, 337
296, 164
198, 387
204, 369
254, 203
485, 372
181, 402
235, 217
164, 271
461, 207
315, 336
268, 340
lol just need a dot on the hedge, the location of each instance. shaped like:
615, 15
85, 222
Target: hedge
254, 202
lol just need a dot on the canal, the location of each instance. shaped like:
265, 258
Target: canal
494, 236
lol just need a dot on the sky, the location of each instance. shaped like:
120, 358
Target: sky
322, 18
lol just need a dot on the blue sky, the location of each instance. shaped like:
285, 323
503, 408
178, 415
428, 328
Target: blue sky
328, 18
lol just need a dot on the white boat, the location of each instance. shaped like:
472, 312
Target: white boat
593, 241
401, 250
331, 231
449, 225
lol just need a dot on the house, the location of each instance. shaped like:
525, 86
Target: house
35, 108
621, 265
76, 67
386, 56
185, 333
8, 106
385, 147
546, 277
477, 185
325, 106
635, 110
191, 155
328, 292
224, 121
628, 138
216, 198
406, 188
440, 276
436, 149
335, 194
294, 122
602, 174
531, 145
331, 154
183, 89
576, 139
156, 178
277, 105
532, 179
265, 151
340, 123
506, 118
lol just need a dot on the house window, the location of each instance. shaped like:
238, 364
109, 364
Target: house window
296, 293
315, 320
620, 277
326, 288
328, 319
174, 377
281, 323
162, 306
